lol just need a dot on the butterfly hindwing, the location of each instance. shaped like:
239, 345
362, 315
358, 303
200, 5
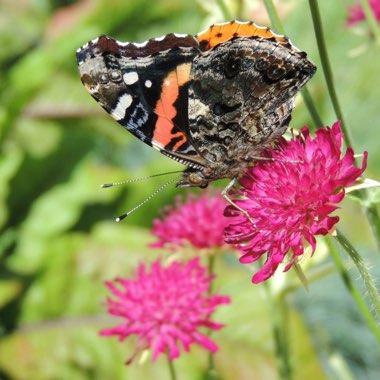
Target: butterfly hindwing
219, 33
145, 88
242, 90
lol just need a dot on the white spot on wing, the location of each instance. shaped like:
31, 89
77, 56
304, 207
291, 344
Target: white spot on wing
140, 44
178, 35
160, 38
124, 102
148, 83
130, 77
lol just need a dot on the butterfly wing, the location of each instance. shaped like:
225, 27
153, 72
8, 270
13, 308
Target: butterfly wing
219, 33
242, 90
145, 88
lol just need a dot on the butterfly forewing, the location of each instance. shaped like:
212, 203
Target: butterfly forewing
146, 93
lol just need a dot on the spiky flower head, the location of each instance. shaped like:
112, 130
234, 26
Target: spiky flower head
198, 222
289, 201
165, 307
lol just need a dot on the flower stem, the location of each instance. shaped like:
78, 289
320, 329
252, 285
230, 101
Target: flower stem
173, 375
277, 25
372, 23
225, 11
211, 268
211, 373
240, 9
363, 270
374, 220
356, 295
278, 315
273, 16
310, 105
319, 35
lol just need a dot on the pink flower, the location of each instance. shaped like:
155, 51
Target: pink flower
165, 306
356, 12
291, 202
199, 222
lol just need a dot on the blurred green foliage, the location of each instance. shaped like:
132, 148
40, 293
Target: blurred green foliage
59, 241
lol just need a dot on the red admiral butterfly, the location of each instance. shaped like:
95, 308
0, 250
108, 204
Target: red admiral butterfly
212, 102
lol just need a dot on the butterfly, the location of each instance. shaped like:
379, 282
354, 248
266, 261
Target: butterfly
212, 102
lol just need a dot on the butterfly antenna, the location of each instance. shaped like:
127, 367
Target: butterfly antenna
121, 217
105, 185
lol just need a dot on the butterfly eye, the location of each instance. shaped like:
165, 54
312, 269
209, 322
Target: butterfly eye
103, 78
232, 66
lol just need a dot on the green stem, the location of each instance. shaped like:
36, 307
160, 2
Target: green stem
310, 105
363, 270
372, 23
211, 373
279, 28
356, 295
374, 220
280, 328
273, 16
318, 29
173, 375
226, 12
211, 270
239, 9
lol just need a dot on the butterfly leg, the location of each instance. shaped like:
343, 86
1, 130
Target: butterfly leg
225, 194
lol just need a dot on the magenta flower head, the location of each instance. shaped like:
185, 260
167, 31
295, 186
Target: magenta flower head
198, 222
356, 13
165, 307
290, 200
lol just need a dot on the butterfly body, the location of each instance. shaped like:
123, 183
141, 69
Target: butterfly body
212, 102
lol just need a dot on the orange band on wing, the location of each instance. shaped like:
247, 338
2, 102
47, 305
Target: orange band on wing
164, 131
217, 34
